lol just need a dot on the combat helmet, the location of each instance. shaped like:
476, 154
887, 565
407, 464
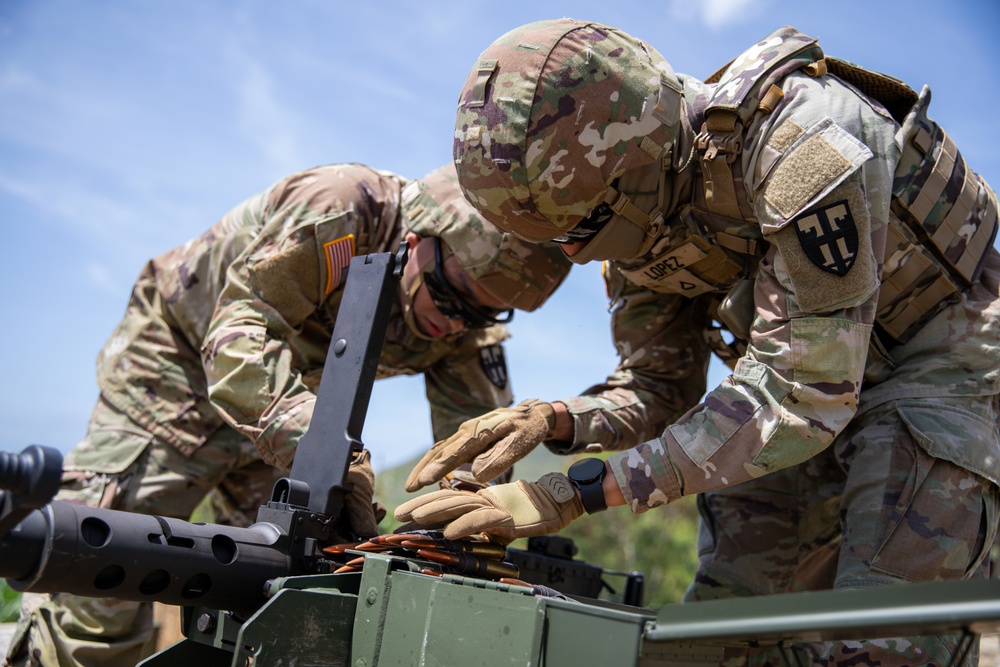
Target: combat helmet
553, 114
521, 274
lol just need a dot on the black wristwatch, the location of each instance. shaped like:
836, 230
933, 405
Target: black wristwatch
588, 476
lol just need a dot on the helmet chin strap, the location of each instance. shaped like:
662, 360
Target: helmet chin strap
408, 292
631, 232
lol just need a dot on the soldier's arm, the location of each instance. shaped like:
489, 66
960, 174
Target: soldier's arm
271, 293
797, 386
661, 373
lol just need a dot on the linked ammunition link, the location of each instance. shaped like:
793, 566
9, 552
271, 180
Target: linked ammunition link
466, 557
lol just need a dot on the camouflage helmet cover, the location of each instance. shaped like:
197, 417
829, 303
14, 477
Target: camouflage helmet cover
552, 114
520, 274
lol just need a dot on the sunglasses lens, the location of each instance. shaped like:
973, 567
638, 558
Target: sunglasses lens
589, 226
446, 302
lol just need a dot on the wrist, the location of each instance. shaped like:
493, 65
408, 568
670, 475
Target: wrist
612, 491
563, 429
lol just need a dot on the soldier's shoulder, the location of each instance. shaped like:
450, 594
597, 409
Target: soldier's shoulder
332, 187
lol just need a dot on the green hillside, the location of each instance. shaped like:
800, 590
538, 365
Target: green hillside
662, 543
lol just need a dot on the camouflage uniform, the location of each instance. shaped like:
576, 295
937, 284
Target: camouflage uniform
846, 450
208, 382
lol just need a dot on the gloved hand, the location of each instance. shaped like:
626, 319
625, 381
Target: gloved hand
493, 442
358, 507
520, 509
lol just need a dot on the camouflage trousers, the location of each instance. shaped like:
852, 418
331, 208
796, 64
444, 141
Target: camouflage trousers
121, 466
874, 509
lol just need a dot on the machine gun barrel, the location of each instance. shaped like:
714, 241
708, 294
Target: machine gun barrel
106, 553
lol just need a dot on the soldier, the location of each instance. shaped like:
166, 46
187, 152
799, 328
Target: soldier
815, 211
209, 380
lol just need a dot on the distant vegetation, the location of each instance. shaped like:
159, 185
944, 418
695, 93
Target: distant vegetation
10, 603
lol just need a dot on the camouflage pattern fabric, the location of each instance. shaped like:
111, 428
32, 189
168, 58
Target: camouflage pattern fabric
807, 377
801, 381
276, 260
816, 380
539, 187
907, 517
937, 196
58, 630
208, 381
518, 273
790, 401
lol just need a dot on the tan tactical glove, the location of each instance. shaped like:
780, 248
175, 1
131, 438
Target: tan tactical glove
493, 442
520, 509
358, 507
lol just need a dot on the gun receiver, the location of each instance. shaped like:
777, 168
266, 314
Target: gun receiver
61, 547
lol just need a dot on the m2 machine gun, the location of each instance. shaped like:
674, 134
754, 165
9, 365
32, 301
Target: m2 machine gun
267, 595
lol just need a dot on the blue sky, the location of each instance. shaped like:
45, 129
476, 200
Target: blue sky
127, 128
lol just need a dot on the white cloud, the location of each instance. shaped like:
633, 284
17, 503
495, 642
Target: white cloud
264, 119
85, 211
713, 13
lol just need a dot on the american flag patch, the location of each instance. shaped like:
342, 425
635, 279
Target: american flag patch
338, 257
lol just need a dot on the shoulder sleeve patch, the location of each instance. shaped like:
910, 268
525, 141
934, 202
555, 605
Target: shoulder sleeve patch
287, 280
494, 364
828, 235
826, 252
815, 164
338, 254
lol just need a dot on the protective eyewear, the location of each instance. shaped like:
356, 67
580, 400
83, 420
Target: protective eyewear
452, 304
589, 226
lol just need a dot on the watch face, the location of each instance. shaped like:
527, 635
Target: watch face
587, 475
586, 470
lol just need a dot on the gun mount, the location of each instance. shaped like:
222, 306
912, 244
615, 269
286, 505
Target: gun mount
266, 595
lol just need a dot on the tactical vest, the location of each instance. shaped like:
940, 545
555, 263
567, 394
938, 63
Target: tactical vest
943, 217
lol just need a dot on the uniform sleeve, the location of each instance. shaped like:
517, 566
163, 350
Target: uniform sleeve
823, 206
661, 373
469, 382
298, 261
